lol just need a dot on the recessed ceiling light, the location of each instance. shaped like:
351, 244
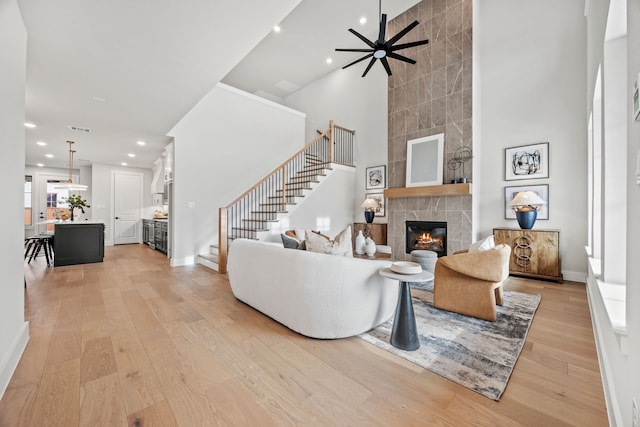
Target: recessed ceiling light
29, 125
40, 165
131, 155
99, 99
363, 20
123, 164
49, 156
41, 143
277, 28
329, 60
141, 143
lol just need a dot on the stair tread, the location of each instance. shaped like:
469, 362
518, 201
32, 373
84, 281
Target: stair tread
210, 257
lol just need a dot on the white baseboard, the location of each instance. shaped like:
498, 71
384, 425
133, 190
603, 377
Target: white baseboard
178, 262
10, 361
574, 276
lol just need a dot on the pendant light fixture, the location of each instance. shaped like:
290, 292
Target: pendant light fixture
69, 185
382, 49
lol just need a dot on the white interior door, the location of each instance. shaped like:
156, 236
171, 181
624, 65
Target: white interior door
127, 192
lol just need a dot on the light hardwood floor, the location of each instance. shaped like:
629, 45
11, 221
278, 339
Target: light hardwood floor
132, 341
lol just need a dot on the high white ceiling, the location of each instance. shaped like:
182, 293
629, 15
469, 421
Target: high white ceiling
129, 70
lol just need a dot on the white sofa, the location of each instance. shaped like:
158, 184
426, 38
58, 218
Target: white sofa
314, 294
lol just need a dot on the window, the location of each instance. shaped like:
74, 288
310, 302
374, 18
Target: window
28, 221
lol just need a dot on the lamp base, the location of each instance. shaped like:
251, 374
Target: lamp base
526, 219
368, 216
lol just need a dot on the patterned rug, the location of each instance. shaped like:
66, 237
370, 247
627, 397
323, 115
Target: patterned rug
474, 353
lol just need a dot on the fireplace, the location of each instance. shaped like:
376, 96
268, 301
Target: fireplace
426, 235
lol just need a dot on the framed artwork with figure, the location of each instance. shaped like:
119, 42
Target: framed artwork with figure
526, 162
379, 198
376, 178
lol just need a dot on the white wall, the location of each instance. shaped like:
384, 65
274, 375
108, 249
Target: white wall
531, 58
356, 103
14, 331
224, 145
101, 196
632, 365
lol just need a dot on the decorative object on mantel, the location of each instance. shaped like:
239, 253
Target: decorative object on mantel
526, 162
376, 178
369, 206
526, 204
74, 201
381, 49
541, 190
360, 242
474, 353
425, 160
69, 185
460, 157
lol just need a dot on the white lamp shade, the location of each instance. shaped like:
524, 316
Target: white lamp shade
369, 204
527, 198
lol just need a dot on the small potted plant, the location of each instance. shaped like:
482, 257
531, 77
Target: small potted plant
75, 201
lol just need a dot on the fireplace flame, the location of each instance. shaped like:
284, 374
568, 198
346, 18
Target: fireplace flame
426, 241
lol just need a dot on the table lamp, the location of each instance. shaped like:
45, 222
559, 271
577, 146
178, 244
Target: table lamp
369, 206
526, 205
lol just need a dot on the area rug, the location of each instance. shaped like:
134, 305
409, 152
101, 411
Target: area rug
474, 353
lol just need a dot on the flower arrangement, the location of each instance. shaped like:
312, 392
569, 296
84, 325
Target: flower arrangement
75, 201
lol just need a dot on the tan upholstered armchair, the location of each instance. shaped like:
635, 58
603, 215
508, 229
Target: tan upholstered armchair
470, 283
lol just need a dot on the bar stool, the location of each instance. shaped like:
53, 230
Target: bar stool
43, 242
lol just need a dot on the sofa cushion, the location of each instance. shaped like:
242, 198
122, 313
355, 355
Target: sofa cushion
291, 243
341, 245
483, 245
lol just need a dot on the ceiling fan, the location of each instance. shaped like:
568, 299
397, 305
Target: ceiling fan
381, 49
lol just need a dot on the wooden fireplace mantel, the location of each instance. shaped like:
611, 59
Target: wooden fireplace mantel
428, 191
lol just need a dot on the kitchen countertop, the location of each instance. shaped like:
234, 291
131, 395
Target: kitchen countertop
58, 221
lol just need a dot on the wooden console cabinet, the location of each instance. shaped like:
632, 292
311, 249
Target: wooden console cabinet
534, 253
378, 232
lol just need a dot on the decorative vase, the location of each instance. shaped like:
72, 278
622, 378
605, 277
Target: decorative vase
369, 246
526, 219
71, 209
360, 242
368, 216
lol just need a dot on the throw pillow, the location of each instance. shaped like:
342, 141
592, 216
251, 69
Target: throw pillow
341, 245
291, 243
483, 245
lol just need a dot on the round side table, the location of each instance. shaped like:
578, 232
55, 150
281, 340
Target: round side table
404, 334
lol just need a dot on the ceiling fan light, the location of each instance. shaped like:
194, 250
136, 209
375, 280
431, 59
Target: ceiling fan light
380, 53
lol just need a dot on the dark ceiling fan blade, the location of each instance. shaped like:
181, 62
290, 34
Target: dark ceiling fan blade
401, 33
353, 50
400, 57
373, 60
358, 60
383, 28
363, 38
408, 45
385, 63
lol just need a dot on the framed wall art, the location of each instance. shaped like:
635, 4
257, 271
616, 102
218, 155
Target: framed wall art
376, 177
425, 160
540, 190
526, 162
380, 200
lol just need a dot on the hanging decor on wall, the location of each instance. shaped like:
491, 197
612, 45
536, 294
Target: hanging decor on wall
381, 49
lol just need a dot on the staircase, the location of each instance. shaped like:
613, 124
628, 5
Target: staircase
257, 210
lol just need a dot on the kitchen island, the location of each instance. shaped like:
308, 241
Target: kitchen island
78, 242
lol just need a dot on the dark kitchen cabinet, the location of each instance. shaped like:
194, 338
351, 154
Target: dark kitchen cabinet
161, 240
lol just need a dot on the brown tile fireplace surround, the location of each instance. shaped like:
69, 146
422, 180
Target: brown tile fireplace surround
454, 210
